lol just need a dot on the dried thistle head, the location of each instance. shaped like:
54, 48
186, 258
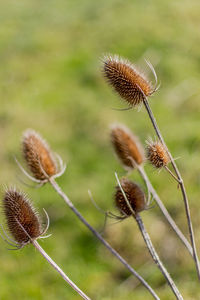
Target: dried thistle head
157, 154
22, 220
38, 156
129, 83
126, 146
135, 197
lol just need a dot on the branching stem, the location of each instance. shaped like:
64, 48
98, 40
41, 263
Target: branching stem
185, 198
171, 173
149, 244
164, 210
106, 244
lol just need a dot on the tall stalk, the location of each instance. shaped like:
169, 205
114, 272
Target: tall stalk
156, 258
181, 183
165, 212
148, 242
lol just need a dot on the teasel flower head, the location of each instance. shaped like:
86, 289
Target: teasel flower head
126, 146
126, 80
39, 158
134, 195
157, 154
22, 220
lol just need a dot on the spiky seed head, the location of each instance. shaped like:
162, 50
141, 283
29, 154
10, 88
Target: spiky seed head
129, 83
38, 155
157, 154
18, 210
126, 146
134, 194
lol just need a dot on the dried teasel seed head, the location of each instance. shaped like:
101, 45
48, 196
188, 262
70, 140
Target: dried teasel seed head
38, 156
129, 83
134, 194
19, 214
157, 154
126, 146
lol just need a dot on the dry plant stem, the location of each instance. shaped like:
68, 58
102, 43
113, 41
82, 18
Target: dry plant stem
108, 246
171, 173
149, 244
181, 183
59, 270
156, 258
164, 210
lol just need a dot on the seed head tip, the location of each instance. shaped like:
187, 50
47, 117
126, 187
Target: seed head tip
157, 154
134, 195
22, 220
129, 83
38, 156
127, 146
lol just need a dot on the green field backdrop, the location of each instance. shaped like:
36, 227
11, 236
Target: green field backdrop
50, 80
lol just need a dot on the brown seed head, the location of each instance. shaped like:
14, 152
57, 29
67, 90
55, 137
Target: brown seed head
126, 80
134, 194
38, 156
126, 146
157, 154
18, 210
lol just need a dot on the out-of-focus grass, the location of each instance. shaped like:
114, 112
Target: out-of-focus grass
50, 80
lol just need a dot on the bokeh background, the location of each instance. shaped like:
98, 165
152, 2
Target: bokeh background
50, 80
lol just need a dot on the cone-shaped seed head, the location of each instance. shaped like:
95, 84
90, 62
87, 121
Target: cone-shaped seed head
134, 194
126, 146
38, 155
18, 210
157, 155
126, 80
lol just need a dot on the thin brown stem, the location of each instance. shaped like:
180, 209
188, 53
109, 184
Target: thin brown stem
185, 198
59, 270
99, 237
164, 210
156, 258
149, 244
171, 173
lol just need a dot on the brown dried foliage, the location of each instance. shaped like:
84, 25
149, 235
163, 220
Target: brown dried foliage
126, 146
134, 194
18, 210
38, 156
126, 80
157, 155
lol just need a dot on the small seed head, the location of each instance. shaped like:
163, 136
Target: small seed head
18, 210
157, 154
129, 83
134, 194
38, 156
126, 146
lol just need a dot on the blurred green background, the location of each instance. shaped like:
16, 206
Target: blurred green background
50, 80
